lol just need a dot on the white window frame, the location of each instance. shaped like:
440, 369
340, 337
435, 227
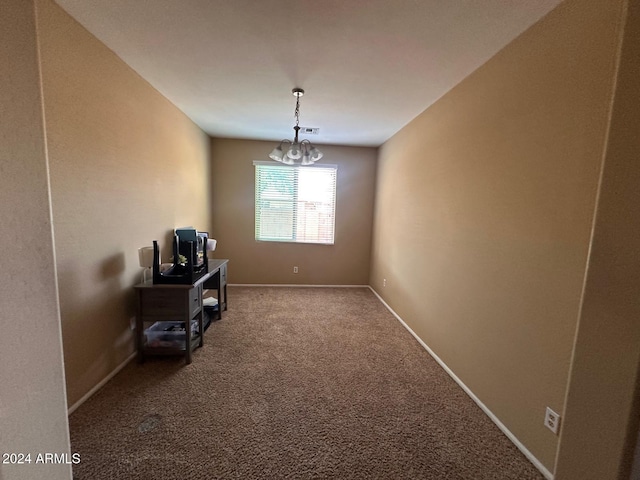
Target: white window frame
311, 219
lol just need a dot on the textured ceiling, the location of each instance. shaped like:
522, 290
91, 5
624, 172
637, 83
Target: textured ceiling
368, 66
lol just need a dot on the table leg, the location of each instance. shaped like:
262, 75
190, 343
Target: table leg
139, 329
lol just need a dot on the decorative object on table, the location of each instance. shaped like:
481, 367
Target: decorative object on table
145, 257
298, 153
181, 272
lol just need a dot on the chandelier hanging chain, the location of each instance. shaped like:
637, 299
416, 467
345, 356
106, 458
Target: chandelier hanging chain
297, 111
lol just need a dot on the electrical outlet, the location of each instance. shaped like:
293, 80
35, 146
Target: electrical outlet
295, 269
552, 420
132, 323
384, 282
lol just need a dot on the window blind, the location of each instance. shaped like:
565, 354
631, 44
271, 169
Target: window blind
294, 203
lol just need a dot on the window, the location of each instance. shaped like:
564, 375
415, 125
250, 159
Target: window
295, 204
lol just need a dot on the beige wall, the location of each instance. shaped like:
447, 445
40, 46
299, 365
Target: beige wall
603, 398
233, 183
126, 168
33, 413
484, 210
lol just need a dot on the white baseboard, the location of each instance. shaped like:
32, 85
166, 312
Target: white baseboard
468, 391
293, 285
86, 396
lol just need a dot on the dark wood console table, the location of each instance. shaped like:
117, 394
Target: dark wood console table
178, 303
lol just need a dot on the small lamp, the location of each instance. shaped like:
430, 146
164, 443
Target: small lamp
145, 257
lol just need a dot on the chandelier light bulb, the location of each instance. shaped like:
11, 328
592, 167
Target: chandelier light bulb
294, 151
315, 154
276, 154
306, 159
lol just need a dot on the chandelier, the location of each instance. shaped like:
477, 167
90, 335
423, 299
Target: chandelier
301, 152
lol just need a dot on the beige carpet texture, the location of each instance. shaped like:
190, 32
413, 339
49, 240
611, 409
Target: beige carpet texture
292, 383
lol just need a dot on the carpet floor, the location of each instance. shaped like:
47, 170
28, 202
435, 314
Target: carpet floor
292, 383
